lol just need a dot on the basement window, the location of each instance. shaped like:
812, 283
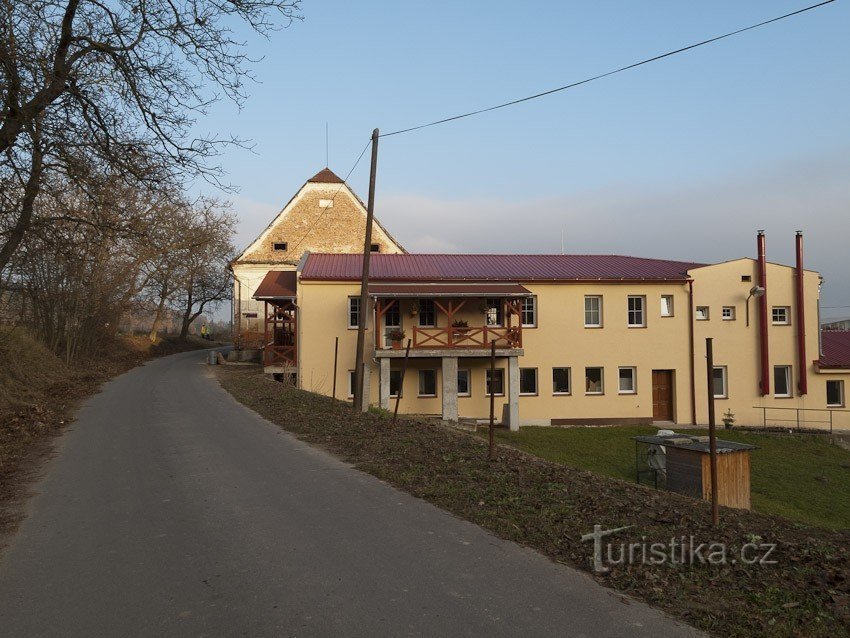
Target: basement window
628, 384
351, 384
782, 381
720, 382
560, 380
281, 245
427, 383
395, 383
835, 393
498, 385
528, 381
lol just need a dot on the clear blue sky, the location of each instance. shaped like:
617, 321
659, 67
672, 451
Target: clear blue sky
664, 146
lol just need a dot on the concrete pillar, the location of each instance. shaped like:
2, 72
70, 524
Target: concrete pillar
513, 393
367, 378
450, 388
385, 384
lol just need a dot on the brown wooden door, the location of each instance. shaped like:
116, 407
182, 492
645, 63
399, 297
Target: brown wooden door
662, 395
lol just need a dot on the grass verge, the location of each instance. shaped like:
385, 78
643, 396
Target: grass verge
803, 477
548, 506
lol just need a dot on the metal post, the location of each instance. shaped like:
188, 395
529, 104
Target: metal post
798, 420
336, 358
491, 454
401, 383
360, 403
712, 435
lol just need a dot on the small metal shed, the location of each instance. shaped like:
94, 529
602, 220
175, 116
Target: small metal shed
688, 467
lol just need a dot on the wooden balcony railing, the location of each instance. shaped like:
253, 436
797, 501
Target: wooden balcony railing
467, 337
279, 355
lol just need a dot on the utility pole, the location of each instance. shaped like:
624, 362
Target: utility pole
712, 435
361, 403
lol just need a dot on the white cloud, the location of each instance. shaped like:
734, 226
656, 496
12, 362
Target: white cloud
709, 221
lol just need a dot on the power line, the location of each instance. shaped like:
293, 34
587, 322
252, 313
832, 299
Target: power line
322, 214
605, 75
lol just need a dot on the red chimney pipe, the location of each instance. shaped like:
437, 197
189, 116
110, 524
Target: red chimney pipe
765, 358
803, 385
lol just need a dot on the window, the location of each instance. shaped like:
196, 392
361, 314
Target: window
835, 393
728, 313
702, 313
666, 305
395, 383
782, 381
721, 388
250, 315
628, 383
528, 312
463, 385
636, 316
498, 384
281, 245
593, 311
427, 313
375, 248
561, 381
427, 383
746, 277
493, 312
353, 312
351, 384
593, 381
392, 317
528, 381
781, 315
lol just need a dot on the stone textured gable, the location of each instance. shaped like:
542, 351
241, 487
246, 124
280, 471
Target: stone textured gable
307, 226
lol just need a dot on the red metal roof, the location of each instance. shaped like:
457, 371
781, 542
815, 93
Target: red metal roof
448, 290
277, 284
516, 268
325, 176
836, 349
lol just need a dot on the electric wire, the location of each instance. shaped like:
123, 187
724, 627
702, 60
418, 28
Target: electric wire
608, 73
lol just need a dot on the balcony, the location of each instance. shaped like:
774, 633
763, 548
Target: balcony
449, 319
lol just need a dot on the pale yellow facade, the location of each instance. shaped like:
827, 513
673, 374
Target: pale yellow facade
560, 339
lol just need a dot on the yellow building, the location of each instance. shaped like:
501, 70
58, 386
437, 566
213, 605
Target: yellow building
584, 339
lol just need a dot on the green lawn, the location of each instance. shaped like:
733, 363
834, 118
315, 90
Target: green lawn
801, 477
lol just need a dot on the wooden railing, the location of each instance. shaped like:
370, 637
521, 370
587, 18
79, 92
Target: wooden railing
279, 355
467, 337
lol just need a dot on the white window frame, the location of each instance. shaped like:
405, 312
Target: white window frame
433, 324
789, 377
598, 311
400, 393
786, 310
419, 387
536, 384
533, 310
352, 302
351, 381
495, 305
601, 380
724, 375
641, 311
732, 313
468, 373
702, 316
500, 372
841, 403
633, 370
670, 310
569, 382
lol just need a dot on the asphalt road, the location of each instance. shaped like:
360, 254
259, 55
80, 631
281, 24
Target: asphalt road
170, 509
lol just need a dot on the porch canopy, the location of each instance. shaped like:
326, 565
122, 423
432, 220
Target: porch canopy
277, 285
446, 290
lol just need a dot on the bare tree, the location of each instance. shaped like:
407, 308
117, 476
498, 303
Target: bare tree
87, 82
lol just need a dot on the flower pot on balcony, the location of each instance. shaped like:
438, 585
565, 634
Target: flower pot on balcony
396, 344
